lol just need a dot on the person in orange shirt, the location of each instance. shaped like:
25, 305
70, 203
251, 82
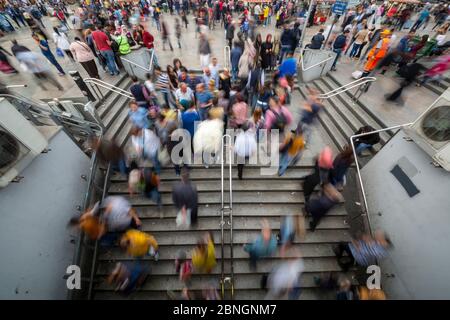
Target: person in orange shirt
378, 52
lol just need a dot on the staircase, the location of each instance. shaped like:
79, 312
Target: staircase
113, 111
256, 197
341, 117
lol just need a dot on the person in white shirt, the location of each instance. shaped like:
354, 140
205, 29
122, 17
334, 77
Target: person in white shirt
214, 68
62, 43
146, 145
184, 93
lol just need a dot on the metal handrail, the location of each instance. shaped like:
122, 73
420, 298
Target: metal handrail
94, 258
149, 69
109, 87
358, 170
314, 65
227, 57
229, 208
347, 87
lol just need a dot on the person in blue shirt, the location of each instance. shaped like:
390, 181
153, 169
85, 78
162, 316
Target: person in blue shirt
204, 100
403, 45
289, 66
193, 81
188, 119
235, 55
264, 245
138, 116
423, 16
45, 49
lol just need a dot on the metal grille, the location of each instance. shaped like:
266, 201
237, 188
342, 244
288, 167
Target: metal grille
436, 124
9, 151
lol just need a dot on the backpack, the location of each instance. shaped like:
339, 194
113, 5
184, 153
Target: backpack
280, 120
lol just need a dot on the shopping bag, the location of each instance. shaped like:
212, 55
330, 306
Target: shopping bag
59, 53
163, 156
183, 218
357, 74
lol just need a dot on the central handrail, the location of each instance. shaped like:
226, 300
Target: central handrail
347, 87
109, 87
358, 170
228, 208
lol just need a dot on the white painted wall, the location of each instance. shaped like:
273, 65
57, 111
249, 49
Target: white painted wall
419, 227
35, 246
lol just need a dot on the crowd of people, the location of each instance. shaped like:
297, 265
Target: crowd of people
253, 97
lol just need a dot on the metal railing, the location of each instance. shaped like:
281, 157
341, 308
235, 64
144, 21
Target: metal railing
75, 128
227, 57
314, 65
95, 254
150, 67
346, 87
365, 211
96, 83
229, 209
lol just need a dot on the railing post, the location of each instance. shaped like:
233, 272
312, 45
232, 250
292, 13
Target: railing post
82, 85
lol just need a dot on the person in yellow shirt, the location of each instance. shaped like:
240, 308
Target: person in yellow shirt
204, 255
138, 244
266, 11
291, 149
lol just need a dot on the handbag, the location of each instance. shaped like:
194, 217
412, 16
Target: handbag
183, 218
163, 156
59, 52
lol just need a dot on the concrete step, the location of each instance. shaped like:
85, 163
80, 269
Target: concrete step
243, 209
115, 110
308, 250
239, 224
111, 99
256, 197
329, 126
238, 185
118, 124
354, 113
331, 79
338, 120
247, 282
190, 237
265, 265
307, 294
214, 173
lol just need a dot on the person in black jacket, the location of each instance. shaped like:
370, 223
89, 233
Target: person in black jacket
338, 46
185, 196
317, 40
286, 39
409, 73
365, 142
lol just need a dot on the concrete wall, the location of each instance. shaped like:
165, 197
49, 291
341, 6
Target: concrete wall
419, 227
35, 246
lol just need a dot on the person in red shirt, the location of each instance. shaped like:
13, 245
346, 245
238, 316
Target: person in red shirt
103, 45
147, 38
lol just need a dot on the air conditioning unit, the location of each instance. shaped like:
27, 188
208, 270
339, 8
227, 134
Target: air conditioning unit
431, 131
20, 142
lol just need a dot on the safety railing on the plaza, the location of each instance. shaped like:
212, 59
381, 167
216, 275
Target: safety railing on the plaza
321, 63
354, 84
96, 84
365, 213
148, 69
228, 209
